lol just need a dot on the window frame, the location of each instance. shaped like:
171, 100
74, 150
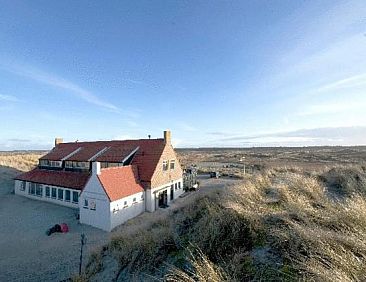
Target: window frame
53, 193
93, 205
165, 165
73, 197
172, 164
47, 192
23, 185
67, 192
39, 190
58, 194
32, 188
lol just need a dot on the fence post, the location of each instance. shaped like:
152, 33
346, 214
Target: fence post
83, 242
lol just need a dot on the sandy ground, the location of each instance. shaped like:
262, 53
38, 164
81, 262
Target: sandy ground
28, 254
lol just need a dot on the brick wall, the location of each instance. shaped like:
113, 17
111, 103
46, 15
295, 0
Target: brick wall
161, 177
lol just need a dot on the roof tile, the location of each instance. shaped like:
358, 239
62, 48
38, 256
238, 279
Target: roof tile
120, 182
73, 180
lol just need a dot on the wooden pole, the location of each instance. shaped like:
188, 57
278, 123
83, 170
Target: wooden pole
83, 242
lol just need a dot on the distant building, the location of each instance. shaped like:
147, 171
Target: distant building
108, 181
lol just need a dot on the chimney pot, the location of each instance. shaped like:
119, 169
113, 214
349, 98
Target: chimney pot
167, 137
58, 141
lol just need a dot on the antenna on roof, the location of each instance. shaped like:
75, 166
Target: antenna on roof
149, 136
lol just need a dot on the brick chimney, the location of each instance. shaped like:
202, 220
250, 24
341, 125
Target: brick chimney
167, 137
58, 141
96, 168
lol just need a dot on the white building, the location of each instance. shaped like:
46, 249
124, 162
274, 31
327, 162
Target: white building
108, 181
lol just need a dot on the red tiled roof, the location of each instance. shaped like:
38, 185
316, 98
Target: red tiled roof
116, 152
88, 151
146, 158
73, 180
120, 182
60, 151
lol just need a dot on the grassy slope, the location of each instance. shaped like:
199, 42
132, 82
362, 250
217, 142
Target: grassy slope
281, 225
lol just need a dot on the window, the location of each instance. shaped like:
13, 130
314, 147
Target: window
165, 165
176, 186
179, 185
125, 204
54, 191
60, 194
55, 163
134, 200
93, 205
172, 164
75, 197
78, 165
44, 162
47, 192
86, 203
115, 210
32, 189
22, 186
107, 164
39, 190
67, 195
142, 197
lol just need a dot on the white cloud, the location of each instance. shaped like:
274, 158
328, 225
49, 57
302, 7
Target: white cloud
331, 108
349, 82
58, 82
9, 98
303, 137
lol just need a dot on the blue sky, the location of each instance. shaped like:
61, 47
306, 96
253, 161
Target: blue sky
216, 73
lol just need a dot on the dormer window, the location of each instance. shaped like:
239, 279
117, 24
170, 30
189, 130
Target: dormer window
56, 163
77, 165
50, 163
44, 162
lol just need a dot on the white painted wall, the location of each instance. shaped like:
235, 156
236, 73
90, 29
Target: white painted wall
107, 215
152, 195
44, 198
120, 212
101, 216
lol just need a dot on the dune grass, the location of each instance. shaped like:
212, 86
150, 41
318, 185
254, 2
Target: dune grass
21, 162
12, 164
282, 225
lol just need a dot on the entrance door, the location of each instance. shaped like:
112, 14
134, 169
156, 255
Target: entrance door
163, 199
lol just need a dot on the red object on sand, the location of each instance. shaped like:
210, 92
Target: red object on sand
64, 228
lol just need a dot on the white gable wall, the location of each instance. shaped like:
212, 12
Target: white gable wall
120, 212
100, 217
